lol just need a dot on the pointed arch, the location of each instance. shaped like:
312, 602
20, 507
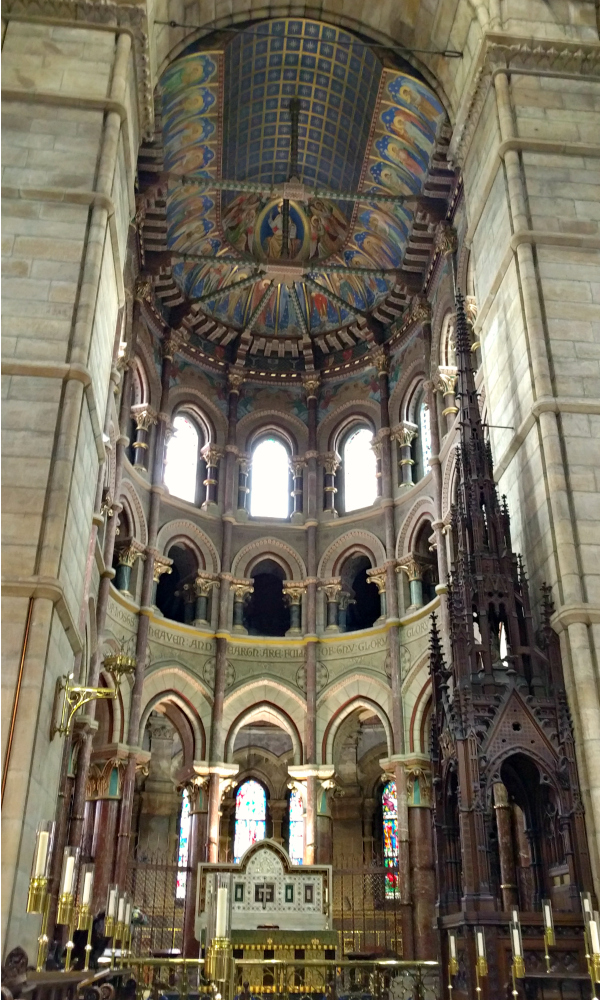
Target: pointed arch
264, 711
343, 712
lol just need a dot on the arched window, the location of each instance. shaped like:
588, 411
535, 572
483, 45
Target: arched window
360, 470
389, 803
296, 844
182, 459
184, 844
270, 483
250, 817
425, 436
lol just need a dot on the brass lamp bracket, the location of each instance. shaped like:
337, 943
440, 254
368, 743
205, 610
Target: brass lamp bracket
73, 697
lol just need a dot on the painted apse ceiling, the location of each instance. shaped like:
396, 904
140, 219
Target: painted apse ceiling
276, 273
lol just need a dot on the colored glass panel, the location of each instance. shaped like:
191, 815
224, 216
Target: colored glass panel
250, 817
389, 802
296, 847
184, 846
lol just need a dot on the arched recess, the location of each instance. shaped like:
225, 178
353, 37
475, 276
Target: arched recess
172, 679
290, 427
350, 542
115, 714
412, 374
342, 713
449, 483
144, 356
187, 533
359, 411
264, 711
269, 548
136, 511
418, 719
210, 418
422, 510
179, 710
263, 690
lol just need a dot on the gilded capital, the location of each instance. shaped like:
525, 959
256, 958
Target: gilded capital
420, 309
446, 240
143, 288
412, 566
380, 360
162, 564
445, 380
311, 385
293, 591
331, 588
377, 575
405, 433
235, 380
297, 465
330, 461
129, 552
171, 345
242, 589
212, 455
144, 416
204, 583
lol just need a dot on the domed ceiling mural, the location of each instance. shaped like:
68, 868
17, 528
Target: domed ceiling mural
301, 157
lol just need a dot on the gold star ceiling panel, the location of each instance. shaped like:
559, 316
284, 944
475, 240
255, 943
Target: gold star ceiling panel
361, 128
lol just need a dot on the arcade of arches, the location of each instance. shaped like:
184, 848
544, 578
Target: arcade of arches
300, 350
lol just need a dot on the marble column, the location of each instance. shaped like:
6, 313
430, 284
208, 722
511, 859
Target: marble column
145, 418
508, 874
297, 466
111, 511
445, 382
168, 349
241, 592
203, 586
292, 595
404, 435
311, 388
162, 565
216, 748
332, 589
127, 556
196, 854
413, 568
378, 577
243, 488
344, 602
421, 859
212, 456
103, 848
331, 463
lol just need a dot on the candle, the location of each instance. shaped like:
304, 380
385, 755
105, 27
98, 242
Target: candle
86, 895
43, 839
547, 916
587, 906
515, 916
452, 946
516, 942
128, 914
112, 903
221, 928
594, 939
121, 912
69, 871
480, 945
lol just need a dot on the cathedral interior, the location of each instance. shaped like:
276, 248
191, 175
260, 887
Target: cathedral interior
301, 492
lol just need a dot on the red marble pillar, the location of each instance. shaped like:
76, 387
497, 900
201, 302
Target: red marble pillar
508, 873
423, 882
196, 854
103, 848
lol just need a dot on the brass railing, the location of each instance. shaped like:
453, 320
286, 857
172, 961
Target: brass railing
280, 979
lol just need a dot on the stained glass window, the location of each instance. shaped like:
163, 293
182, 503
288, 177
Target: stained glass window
270, 492
389, 802
182, 459
360, 471
184, 845
250, 817
425, 421
296, 850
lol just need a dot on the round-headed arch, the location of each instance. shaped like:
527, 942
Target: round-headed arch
269, 548
343, 712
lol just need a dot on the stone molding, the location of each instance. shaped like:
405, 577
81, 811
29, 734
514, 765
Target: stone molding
46, 588
501, 52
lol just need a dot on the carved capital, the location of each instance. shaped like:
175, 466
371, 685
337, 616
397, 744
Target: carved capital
144, 416
293, 591
331, 588
376, 448
212, 455
235, 380
171, 345
204, 583
380, 360
377, 575
162, 564
311, 385
241, 589
143, 288
471, 309
413, 566
344, 600
420, 309
405, 433
446, 240
445, 380
330, 462
245, 463
129, 552
297, 465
